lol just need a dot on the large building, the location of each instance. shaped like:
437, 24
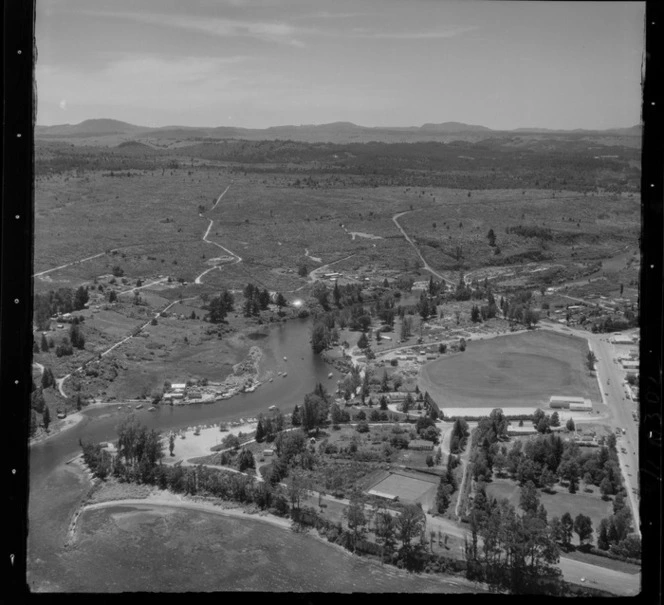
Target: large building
574, 404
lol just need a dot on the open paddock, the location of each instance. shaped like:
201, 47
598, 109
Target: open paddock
557, 503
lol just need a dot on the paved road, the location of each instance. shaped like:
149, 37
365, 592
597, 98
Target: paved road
617, 582
618, 405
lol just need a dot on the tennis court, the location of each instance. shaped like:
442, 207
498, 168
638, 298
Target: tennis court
407, 489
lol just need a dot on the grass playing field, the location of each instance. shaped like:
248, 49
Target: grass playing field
511, 371
558, 503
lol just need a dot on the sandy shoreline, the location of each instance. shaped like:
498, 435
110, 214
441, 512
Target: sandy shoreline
174, 501
60, 426
195, 446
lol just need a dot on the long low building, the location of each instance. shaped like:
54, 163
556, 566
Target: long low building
585, 406
375, 492
565, 401
420, 444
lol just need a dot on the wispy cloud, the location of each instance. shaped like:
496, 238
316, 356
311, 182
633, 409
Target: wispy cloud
413, 35
278, 32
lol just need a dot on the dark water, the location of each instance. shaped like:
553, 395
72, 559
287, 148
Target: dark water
289, 340
55, 489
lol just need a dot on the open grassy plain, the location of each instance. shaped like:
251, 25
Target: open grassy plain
153, 219
511, 371
560, 227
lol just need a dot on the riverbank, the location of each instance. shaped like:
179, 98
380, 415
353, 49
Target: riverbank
74, 419
57, 427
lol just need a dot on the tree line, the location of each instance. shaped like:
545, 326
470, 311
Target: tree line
62, 300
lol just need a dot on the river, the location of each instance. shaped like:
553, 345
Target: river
56, 489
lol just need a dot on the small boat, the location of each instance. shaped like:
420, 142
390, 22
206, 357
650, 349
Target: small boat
271, 379
139, 406
272, 407
119, 407
330, 375
285, 358
151, 409
284, 375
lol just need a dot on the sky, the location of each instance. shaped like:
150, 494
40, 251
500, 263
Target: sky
261, 63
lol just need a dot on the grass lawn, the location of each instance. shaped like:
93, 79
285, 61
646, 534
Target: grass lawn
511, 371
558, 503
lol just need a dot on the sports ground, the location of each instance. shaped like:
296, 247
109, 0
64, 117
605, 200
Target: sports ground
520, 370
407, 488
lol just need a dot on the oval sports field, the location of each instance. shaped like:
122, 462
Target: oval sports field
520, 370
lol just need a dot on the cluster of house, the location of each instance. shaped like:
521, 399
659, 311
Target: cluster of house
630, 361
176, 394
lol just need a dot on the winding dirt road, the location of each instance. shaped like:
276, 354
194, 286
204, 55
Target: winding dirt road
412, 243
233, 258
75, 262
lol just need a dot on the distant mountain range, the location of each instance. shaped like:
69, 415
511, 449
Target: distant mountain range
336, 132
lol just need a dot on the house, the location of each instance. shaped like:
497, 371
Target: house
395, 396
268, 452
420, 445
178, 386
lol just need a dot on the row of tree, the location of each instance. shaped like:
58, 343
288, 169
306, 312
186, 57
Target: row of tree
518, 550
62, 300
